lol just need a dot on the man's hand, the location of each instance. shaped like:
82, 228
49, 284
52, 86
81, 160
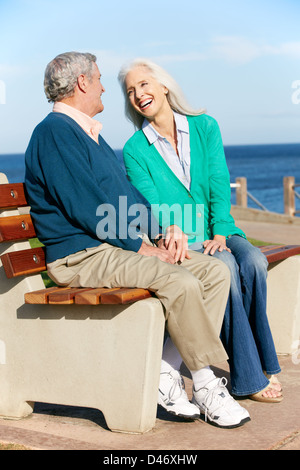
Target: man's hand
160, 252
218, 243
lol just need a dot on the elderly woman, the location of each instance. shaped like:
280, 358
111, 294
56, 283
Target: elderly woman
176, 159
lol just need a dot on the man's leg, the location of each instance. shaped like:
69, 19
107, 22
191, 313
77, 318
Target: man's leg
194, 296
194, 304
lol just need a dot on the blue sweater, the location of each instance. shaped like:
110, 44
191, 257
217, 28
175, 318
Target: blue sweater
73, 187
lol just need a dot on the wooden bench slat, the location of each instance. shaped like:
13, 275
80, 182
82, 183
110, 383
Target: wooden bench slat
277, 253
266, 248
12, 196
24, 262
93, 296
18, 227
125, 296
41, 296
65, 296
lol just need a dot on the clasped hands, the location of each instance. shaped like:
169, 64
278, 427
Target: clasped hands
173, 246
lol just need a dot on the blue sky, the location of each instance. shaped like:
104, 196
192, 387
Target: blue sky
238, 59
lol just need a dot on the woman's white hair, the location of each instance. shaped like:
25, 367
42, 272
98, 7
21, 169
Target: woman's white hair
62, 72
175, 95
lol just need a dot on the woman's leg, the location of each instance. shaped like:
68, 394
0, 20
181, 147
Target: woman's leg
246, 300
253, 274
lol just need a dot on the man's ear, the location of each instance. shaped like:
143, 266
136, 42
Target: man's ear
82, 83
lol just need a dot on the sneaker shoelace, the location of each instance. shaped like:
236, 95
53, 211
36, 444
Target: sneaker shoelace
218, 395
177, 386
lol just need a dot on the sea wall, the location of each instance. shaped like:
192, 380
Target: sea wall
257, 215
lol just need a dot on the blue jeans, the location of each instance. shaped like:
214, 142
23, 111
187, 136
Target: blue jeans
246, 334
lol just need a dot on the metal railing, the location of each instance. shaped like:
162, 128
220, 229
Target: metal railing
289, 194
242, 194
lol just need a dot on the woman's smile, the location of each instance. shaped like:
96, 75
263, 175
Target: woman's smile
145, 103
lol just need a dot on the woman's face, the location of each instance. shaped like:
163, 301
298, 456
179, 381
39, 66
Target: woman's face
146, 95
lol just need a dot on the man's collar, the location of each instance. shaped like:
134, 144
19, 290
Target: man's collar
90, 126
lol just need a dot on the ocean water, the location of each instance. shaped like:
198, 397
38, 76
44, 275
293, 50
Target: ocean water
264, 166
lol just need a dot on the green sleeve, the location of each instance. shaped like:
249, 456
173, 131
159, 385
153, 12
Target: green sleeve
221, 221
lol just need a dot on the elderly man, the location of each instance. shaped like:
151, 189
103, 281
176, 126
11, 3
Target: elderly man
74, 180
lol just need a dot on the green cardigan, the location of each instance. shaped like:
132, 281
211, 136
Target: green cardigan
208, 200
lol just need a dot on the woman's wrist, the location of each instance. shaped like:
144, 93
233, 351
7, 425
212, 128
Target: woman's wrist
220, 239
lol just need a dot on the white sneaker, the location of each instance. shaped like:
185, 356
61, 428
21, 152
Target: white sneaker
173, 398
215, 402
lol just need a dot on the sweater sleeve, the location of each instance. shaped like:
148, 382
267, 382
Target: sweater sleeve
71, 186
221, 221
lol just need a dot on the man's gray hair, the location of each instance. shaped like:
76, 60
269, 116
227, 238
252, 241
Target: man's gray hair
62, 72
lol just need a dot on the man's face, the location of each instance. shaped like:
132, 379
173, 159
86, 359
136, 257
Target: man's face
93, 93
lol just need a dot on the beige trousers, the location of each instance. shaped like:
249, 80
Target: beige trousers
193, 294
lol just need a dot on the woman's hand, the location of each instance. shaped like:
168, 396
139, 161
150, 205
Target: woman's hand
218, 243
176, 242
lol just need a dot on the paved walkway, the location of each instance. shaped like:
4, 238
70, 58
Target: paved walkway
272, 426
270, 232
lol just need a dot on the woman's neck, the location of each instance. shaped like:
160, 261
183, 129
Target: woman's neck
165, 125
163, 122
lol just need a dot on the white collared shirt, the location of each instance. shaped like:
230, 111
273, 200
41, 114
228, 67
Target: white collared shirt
180, 165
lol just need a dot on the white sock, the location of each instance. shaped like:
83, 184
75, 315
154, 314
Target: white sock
202, 377
171, 358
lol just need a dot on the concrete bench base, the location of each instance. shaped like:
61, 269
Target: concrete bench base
283, 304
105, 357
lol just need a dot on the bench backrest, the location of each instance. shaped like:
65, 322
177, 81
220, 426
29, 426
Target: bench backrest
18, 228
